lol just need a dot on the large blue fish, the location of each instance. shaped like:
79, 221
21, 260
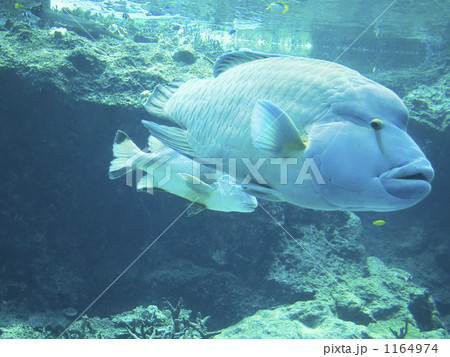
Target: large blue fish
305, 131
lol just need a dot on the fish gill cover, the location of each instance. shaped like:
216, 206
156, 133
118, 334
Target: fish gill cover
72, 77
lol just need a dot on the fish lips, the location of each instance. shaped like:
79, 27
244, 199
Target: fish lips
410, 181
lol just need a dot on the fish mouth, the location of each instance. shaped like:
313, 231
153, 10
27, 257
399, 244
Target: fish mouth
410, 181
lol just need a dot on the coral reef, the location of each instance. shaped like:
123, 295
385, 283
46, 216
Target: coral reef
373, 306
149, 322
431, 104
107, 71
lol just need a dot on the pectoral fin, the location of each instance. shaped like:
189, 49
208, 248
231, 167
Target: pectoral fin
273, 130
196, 185
265, 193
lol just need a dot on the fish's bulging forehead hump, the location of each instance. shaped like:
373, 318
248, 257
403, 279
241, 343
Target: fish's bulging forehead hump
373, 100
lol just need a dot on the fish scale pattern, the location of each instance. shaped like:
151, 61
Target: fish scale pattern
217, 112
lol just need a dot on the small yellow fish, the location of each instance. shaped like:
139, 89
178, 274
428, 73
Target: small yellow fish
19, 6
278, 7
379, 222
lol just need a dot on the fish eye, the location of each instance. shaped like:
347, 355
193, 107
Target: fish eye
376, 124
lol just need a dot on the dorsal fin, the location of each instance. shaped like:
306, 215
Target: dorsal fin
233, 59
161, 94
173, 137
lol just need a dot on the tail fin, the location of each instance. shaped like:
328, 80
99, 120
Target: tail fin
123, 150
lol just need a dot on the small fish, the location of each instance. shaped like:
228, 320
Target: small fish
172, 172
278, 7
379, 222
232, 32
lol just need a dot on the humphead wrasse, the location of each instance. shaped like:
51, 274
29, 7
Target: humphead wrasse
167, 170
305, 131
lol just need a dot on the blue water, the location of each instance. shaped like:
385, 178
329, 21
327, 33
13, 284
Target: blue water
67, 231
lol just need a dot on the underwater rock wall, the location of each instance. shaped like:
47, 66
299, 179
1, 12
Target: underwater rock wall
430, 104
74, 68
